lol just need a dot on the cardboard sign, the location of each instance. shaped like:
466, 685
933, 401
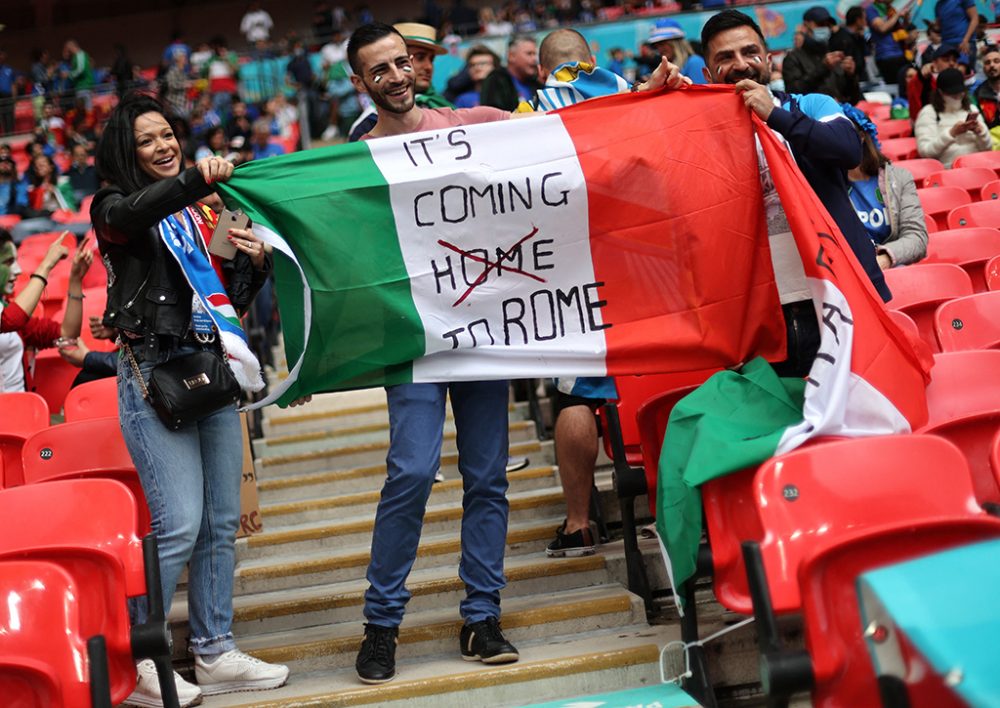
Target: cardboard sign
250, 519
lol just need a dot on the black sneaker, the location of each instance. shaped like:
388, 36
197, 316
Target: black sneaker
484, 641
377, 658
571, 545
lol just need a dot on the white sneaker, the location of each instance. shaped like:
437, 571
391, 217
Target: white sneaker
439, 477
236, 671
330, 133
147, 689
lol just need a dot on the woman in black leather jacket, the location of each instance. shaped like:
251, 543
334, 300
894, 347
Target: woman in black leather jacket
164, 299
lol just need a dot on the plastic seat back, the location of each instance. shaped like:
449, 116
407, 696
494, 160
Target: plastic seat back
94, 399
995, 458
920, 168
971, 179
894, 128
42, 650
94, 303
651, 420
833, 622
917, 290
971, 248
633, 391
971, 322
990, 190
815, 494
992, 274
905, 323
938, 202
976, 214
731, 518
900, 148
91, 448
23, 414
963, 405
988, 159
53, 378
87, 527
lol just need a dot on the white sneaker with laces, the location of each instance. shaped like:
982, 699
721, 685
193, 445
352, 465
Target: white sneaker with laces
236, 671
147, 689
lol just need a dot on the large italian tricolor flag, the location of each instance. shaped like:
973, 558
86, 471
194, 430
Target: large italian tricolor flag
624, 235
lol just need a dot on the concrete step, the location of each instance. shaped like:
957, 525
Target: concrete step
559, 666
518, 431
310, 418
299, 538
288, 483
432, 588
337, 506
435, 632
286, 572
303, 463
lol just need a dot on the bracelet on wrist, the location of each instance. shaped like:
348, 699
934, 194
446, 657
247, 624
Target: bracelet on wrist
79, 297
40, 277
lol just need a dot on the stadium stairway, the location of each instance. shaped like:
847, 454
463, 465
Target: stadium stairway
300, 583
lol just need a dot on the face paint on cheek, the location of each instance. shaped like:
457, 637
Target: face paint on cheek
8, 271
408, 69
377, 79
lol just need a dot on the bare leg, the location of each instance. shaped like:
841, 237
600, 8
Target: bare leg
576, 451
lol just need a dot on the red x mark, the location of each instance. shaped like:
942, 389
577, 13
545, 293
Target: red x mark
491, 265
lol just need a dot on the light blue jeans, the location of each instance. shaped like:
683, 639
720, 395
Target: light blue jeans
191, 478
416, 423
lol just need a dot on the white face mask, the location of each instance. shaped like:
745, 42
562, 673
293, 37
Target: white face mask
951, 103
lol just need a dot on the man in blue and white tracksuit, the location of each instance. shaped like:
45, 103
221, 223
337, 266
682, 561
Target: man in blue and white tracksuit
825, 146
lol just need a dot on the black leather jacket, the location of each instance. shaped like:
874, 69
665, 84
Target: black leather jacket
147, 291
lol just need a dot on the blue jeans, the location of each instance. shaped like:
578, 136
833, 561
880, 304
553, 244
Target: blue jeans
416, 422
191, 478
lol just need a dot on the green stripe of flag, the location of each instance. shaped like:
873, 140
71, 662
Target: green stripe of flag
355, 267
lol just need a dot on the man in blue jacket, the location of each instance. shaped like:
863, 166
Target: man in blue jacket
825, 146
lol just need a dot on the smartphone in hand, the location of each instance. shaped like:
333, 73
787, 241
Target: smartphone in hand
971, 117
220, 245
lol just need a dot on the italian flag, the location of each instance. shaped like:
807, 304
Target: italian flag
623, 235
867, 379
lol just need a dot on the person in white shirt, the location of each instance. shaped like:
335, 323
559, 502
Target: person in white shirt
256, 24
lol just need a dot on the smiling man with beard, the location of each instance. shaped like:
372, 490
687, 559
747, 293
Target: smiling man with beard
383, 68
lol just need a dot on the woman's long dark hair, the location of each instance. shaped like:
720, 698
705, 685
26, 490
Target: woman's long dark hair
115, 159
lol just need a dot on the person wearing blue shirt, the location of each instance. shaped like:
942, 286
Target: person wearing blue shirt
262, 147
959, 20
668, 39
8, 79
13, 192
885, 24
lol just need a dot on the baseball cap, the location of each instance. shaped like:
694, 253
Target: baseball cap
663, 30
424, 35
951, 82
819, 15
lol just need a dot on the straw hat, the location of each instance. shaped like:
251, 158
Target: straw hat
423, 35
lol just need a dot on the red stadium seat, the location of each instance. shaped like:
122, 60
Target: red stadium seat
905, 323
900, 148
94, 399
843, 486
931, 224
992, 274
971, 322
939, 201
85, 449
971, 179
651, 420
842, 670
920, 168
977, 214
917, 290
731, 518
995, 457
87, 527
898, 128
875, 111
971, 248
963, 405
94, 303
53, 378
23, 415
990, 190
41, 644
989, 159
9, 220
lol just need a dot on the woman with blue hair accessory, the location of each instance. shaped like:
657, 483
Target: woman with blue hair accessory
886, 200
667, 38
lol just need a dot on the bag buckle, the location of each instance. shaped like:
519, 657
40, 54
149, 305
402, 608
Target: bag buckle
193, 382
